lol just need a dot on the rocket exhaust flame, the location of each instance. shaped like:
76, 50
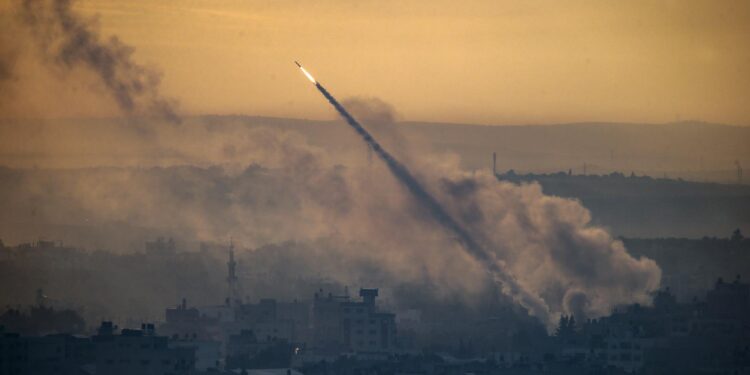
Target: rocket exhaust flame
307, 74
498, 271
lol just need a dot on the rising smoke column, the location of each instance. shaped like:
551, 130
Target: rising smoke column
69, 41
536, 305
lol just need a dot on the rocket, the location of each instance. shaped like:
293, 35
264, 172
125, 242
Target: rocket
348, 117
308, 75
404, 175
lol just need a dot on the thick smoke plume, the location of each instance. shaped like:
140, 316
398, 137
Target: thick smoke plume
496, 268
100, 184
70, 42
217, 178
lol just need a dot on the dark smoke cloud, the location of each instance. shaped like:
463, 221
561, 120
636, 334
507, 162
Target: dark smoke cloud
7, 60
381, 121
497, 269
372, 111
213, 181
584, 266
9, 51
69, 41
262, 186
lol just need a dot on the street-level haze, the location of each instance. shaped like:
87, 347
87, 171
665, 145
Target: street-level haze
489, 62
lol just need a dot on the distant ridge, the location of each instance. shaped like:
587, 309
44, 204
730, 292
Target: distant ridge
691, 150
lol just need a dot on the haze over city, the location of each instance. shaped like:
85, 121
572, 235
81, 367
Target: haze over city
374, 187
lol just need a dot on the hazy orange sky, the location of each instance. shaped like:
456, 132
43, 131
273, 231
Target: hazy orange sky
492, 62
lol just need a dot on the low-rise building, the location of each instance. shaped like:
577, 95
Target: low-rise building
139, 352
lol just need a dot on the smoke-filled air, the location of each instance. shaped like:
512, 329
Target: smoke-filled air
354, 187
409, 216
574, 298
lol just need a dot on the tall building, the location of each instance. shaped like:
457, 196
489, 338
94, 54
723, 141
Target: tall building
341, 324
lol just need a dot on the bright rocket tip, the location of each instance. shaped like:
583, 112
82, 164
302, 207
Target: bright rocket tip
308, 75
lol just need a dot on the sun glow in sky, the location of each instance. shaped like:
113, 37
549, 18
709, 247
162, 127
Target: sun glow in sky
491, 62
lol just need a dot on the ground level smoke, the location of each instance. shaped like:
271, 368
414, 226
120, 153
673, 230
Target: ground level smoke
536, 305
